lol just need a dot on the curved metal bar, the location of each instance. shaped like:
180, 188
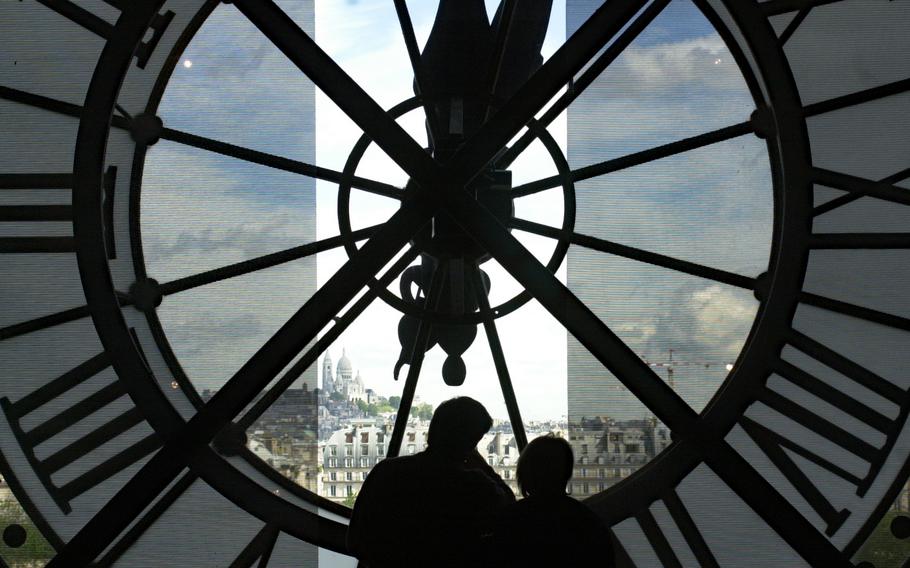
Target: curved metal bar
417, 353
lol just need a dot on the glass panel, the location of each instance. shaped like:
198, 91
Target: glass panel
710, 206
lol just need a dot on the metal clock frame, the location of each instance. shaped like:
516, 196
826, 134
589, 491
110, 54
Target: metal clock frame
698, 439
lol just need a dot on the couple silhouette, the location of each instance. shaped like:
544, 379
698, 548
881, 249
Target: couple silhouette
446, 507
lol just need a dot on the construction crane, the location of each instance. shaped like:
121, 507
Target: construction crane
670, 364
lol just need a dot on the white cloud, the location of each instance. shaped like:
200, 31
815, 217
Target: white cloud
704, 62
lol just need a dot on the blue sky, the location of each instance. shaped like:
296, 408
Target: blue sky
202, 210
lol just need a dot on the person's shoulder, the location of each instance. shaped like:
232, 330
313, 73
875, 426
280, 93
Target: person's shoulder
393, 464
582, 510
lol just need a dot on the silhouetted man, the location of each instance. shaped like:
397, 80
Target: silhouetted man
432, 508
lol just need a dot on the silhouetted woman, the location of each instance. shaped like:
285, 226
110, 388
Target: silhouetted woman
548, 528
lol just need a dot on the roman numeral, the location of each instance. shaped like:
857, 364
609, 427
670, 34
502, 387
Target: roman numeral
774, 444
59, 212
260, 548
852, 310
55, 394
100, 27
36, 213
686, 525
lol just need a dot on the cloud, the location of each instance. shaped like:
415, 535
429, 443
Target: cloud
702, 63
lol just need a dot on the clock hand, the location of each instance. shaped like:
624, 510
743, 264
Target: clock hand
578, 86
420, 79
340, 88
460, 38
520, 31
545, 84
261, 262
638, 158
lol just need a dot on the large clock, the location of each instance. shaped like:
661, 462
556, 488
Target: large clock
117, 459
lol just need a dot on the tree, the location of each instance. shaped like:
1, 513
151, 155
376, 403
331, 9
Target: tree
882, 548
336, 396
35, 551
394, 402
423, 411
349, 500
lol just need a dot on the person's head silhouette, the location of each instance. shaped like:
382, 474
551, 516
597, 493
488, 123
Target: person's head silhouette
457, 425
545, 466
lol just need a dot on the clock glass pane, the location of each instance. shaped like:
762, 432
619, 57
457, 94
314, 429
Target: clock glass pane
652, 235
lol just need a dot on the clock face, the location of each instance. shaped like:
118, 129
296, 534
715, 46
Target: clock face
119, 456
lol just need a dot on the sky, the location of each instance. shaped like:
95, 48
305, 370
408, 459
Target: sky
201, 210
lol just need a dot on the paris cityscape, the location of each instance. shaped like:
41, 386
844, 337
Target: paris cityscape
328, 439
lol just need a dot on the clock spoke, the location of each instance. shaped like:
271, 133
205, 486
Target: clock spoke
853, 310
499, 360
262, 262
857, 98
546, 82
420, 79
40, 101
823, 241
242, 388
418, 350
340, 88
280, 163
857, 187
573, 314
579, 85
637, 158
638, 254
43, 322
341, 324
215, 146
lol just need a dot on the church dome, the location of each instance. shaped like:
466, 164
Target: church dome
358, 380
344, 364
